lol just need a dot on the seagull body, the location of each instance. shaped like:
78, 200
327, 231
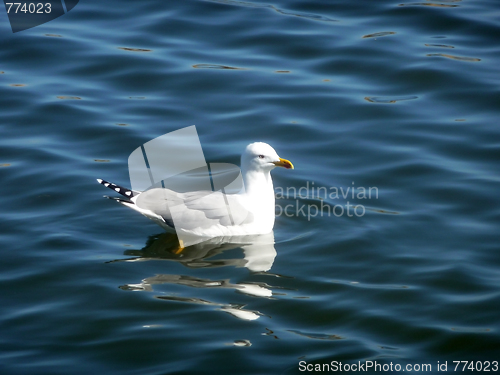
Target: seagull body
215, 214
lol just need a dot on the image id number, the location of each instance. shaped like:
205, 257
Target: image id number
29, 7
476, 365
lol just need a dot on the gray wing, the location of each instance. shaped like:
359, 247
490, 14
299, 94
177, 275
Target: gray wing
200, 209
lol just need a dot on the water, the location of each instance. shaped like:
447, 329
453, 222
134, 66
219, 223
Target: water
398, 96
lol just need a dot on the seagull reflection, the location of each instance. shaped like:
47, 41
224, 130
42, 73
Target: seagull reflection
234, 309
257, 289
258, 250
259, 254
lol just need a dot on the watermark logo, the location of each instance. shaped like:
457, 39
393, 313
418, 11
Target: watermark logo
174, 164
311, 201
27, 14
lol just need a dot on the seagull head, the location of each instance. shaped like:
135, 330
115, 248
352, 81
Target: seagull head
260, 156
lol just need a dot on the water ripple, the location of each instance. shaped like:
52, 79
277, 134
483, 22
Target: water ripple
69, 97
389, 99
316, 336
313, 17
438, 45
135, 49
437, 5
459, 58
379, 34
215, 66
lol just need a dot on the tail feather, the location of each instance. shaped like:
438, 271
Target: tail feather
164, 222
120, 190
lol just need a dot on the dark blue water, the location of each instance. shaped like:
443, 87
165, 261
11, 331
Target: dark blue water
399, 97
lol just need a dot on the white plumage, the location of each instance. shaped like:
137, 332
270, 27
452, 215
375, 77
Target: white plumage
214, 214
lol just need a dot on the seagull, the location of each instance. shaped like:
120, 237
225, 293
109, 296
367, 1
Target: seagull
215, 214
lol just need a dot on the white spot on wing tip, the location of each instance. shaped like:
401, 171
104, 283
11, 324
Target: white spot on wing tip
117, 189
99, 180
128, 192
106, 184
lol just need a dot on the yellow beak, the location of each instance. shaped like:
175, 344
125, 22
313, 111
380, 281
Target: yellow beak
284, 163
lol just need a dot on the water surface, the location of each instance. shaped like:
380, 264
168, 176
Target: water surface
398, 96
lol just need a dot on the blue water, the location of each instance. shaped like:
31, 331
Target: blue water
400, 97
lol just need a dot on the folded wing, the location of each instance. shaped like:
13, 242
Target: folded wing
195, 210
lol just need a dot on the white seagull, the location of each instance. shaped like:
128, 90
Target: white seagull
215, 214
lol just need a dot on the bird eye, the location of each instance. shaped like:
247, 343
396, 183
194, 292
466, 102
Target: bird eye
261, 156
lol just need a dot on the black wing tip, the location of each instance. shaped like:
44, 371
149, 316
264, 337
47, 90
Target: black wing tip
103, 182
127, 193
